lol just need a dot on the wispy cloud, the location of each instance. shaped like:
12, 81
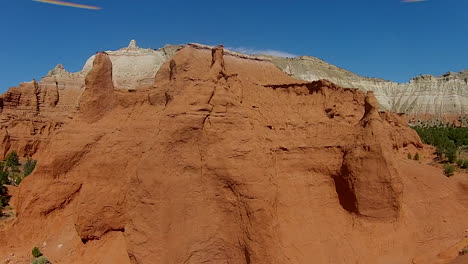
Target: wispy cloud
69, 4
411, 1
271, 52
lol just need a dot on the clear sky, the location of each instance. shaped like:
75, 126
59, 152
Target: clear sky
375, 38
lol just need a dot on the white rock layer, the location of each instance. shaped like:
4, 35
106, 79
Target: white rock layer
426, 94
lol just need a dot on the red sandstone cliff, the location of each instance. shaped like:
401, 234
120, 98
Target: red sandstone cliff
225, 160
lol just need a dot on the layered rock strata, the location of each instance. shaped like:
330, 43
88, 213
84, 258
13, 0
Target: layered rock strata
426, 97
226, 159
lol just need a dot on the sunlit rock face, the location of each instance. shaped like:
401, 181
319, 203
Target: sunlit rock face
135, 67
31, 112
426, 94
426, 97
224, 159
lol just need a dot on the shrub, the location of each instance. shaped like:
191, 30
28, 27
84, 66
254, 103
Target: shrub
459, 163
416, 156
439, 152
12, 160
18, 180
451, 155
464, 251
13, 177
465, 164
36, 252
41, 260
4, 197
4, 178
4, 200
29, 166
449, 170
409, 156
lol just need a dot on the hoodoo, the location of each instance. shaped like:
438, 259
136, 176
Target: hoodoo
98, 95
223, 158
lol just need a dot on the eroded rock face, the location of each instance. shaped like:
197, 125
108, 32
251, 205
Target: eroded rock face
425, 99
31, 112
25, 126
226, 159
98, 96
368, 182
442, 98
135, 67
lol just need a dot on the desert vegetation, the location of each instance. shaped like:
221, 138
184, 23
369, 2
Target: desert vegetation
451, 145
4, 198
449, 170
464, 251
12, 172
38, 257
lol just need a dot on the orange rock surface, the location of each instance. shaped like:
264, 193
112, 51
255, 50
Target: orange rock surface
225, 160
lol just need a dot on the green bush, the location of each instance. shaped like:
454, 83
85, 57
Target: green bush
36, 252
41, 260
447, 140
409, 156
451, 155
459, 163
4, 198
465, 164
18, 180
464, 251
12, 160
3, 190
416, 156
449, 170
439, 152
4, 177
29, 166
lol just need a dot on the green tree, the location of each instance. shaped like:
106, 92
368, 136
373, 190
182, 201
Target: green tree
29, 166
36, 252
18, 180
409, 156
40, 260
416, 156
4, 177
439, 152
449, 170
465, 164
12, 160
451, 155
4, 198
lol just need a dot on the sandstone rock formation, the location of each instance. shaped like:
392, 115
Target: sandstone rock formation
425, 99
33, 110
24, 127
98, 95
428, 95
135, 67
226, 159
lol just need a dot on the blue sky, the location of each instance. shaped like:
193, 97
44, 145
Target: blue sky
385, 38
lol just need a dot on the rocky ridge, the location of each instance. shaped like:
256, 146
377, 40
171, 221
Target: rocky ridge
426, 95
33, 110
425, 99
226, 159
